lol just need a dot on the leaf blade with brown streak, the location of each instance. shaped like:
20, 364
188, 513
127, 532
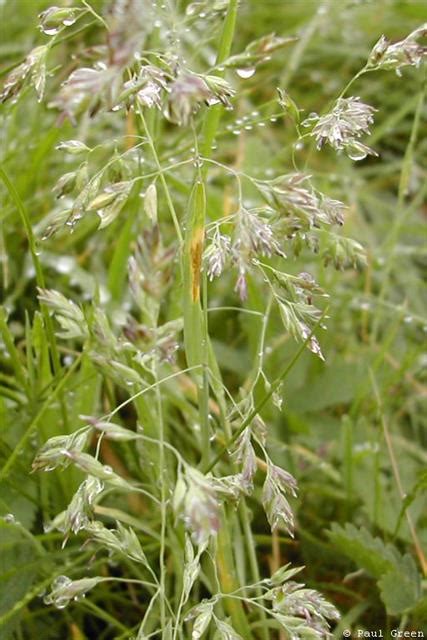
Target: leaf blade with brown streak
192, 261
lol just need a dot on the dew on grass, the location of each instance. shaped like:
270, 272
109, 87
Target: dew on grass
64, 264
10, 518
246, 72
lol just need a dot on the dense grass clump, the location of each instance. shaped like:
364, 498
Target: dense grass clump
213, 324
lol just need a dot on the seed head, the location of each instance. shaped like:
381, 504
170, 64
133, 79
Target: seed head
407, 52
344, 125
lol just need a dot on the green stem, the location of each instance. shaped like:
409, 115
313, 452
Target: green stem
162, 582
161, 177
274, 387
253, 560
204, 390
214, 113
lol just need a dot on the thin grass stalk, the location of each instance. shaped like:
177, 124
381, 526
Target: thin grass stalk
213, 116
274, 387
161, 176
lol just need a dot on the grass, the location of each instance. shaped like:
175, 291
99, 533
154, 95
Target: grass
159, 352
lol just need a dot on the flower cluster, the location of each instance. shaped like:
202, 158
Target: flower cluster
407, 52
64, 590
32, 70
293, 599
253, 236
277, 484
343, 126
77, 514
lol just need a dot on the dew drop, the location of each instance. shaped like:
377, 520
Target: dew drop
246, 73
64, 264
61, 581
356, 154
61, 603
52, 31
9, 518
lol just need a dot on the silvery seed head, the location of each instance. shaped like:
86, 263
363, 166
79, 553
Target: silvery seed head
217, 254
64, 590
201, 506
32, 70
349, 120
407, 52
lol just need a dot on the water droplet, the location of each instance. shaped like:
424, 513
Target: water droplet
52, 31
408, 320
61, 581
355, 153
246, 73
261, 124
273, 119
9, 518
236, 132
64, 264
248, 127
61, 603
108, 469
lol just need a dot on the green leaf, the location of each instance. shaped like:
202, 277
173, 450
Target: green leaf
369, 553
192, 262
400, 588
398, 578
